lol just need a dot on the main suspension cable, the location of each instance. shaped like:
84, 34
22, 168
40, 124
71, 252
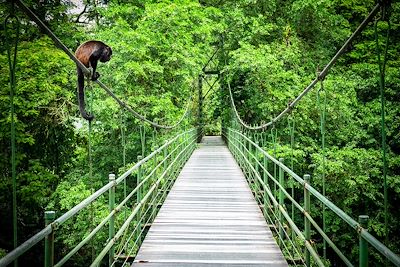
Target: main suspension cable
87, 71
320, 76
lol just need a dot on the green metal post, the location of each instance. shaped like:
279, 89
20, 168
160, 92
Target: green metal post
232, 141
143, 139
265, 179
291, 130
281, 200
307, 227
363, 220
123, 141
111, 229
265, 148
249, 154
250, 157
244, 153
165, 159
49, 217
173, 145
256, 153
238, 147
238, 140
139, 198
257, 168
235, 142
200, 109
241, 149
179, 157
154, 147
154, 178
274, 133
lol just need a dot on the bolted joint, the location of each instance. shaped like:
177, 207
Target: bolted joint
55, 225
111, 178
49, 217
289, 106
363, 223
307, 178
321, 76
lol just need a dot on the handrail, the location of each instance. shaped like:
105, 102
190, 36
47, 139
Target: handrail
298, 206
119, 207
14, 254
281, 208
111, 242
380, 247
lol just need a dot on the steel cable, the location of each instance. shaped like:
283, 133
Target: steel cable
320, 76
12, 69
87, 71
382, 68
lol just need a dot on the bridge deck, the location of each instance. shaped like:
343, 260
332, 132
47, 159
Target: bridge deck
210, 218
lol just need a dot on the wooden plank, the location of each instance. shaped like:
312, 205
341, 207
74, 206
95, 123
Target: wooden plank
210, 218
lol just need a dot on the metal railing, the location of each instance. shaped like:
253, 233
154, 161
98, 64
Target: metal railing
152, 177
269, 188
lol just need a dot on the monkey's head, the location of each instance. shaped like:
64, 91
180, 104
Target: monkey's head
106, 55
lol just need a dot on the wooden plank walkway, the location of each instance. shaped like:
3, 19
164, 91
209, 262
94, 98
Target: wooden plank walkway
210, 218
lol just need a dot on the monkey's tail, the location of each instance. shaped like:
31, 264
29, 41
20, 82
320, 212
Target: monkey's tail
81, 96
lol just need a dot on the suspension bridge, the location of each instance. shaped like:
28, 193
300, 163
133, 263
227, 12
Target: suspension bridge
207, 201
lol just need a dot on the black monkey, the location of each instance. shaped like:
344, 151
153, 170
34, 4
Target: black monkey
89, 53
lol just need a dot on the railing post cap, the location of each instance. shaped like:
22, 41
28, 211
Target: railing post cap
307, 178
281, 159
49, 215
363, 219
111, 177
139, 157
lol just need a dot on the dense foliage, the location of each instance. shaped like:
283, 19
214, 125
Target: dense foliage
268, 51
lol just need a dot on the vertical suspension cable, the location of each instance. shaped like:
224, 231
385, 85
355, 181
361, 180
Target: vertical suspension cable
322, 112
91, 212
123, 140
274, 134
382, 66
123, 143
12, 69
291, 124
154, 146
143, 138
153, 138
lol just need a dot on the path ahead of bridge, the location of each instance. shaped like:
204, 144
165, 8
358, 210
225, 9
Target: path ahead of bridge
210, 218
